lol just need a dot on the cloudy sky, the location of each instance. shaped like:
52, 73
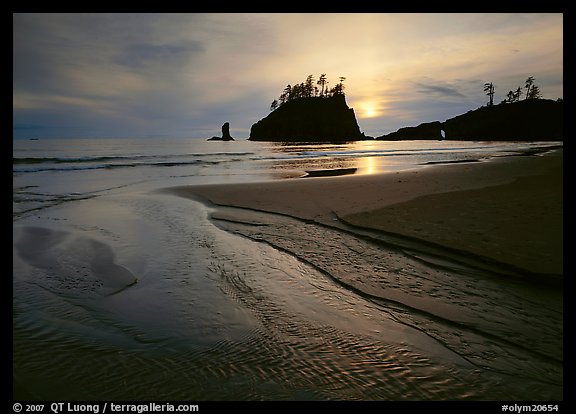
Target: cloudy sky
184, 75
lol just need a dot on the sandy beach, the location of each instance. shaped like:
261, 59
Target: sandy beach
438, 282
470, 254
508, 209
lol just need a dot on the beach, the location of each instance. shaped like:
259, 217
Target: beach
199, 271
508, 209
470, 254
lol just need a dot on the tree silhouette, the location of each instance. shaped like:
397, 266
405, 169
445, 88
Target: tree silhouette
489, 89
309, 86
513, 96
534, 93
339, 89
307, 89
528, 85
322, 82
285, 96
274, 105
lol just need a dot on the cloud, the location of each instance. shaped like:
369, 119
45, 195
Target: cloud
162, 72
439, 90
146, 55
27, 127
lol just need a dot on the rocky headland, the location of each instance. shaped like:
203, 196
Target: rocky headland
527, 120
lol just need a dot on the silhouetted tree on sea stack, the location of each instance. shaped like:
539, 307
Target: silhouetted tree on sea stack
307, 89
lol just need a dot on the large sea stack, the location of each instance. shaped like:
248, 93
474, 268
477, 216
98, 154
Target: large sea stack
312, 119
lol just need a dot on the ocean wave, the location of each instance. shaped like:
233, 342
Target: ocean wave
87, 159
361, 153
38, 164
479, 150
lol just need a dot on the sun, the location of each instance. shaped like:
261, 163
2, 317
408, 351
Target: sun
368, 109
369, 112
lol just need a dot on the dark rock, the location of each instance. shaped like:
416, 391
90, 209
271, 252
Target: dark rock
330, 173
312, 119
527, 120
225, 134
429, 130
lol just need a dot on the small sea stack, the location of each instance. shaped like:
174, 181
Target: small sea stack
225, 134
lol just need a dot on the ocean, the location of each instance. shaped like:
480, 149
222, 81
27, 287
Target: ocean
123, 292
52, 171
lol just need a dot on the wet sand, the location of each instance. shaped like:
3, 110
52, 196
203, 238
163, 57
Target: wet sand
469, 254
307, 303
75, 265
508, 209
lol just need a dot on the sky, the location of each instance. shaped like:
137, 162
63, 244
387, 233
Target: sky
184, 75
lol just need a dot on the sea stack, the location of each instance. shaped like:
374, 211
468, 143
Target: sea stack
311, 119
225, 134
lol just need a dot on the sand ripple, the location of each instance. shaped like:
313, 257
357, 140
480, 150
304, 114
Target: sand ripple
495, 323
305, 312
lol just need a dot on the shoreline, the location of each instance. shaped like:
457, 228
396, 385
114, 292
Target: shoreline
506, 209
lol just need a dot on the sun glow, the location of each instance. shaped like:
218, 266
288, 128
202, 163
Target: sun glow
367, 110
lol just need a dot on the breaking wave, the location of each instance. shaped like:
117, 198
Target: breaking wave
37, 164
